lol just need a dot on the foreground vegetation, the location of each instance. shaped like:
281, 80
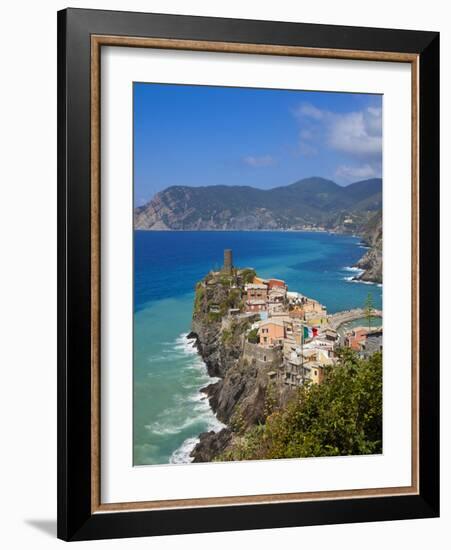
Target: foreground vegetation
342, 416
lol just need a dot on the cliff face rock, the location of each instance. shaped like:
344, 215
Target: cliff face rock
240, 394
183, 208
218, 357
313, 201
371, 262
152, 215
211, 445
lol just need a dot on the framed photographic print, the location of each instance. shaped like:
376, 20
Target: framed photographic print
248, 274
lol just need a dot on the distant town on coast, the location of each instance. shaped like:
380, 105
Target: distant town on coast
313, 204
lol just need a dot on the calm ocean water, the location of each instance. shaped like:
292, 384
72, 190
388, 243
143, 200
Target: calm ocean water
169, 410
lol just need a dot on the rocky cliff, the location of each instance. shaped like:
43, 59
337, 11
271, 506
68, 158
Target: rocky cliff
239, 397
371, 262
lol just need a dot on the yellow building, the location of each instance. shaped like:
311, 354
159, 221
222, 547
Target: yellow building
316, 373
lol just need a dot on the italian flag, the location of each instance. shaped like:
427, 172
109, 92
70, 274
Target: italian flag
310, 332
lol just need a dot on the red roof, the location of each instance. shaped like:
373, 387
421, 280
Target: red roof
276, 283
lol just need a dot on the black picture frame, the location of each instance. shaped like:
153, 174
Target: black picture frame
75, 518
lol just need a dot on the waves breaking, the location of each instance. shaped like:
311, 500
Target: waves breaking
190, 411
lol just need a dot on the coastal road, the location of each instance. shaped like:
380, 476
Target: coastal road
338, 319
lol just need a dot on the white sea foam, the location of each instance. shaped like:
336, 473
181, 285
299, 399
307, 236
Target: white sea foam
164, 426
354, 279
182, 454
215, 424
165, 356
187, 345
196, 404
204, 414
190, 386
353, 269
198, 397
359, 281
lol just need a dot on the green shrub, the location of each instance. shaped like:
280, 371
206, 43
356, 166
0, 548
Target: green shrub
253, 337
199, 297
234, 298
342, 416
225, 280
214, 317
248, 275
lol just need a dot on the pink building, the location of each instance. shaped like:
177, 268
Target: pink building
271, 332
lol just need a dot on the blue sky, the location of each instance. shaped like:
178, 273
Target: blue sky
204, 135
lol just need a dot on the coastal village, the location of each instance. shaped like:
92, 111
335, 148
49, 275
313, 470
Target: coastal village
288, 333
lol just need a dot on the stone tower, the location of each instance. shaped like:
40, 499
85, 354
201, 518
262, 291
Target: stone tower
228, 261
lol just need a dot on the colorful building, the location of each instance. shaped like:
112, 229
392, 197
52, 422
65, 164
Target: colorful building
316, 373
355, 337
276, 283
271, 332
256, 297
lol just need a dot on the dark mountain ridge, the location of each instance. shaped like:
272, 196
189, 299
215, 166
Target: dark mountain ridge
313, 201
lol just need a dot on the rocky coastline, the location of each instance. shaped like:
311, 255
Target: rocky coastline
371, 261
250, 379
239, 397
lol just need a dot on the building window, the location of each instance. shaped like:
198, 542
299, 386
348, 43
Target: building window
264, 358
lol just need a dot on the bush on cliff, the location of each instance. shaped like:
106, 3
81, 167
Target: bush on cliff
342, 416
253, 337
248, 275
199, 297
234, 299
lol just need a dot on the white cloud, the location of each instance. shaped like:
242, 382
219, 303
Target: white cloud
256, 162
355, 173
357, 133
309, 110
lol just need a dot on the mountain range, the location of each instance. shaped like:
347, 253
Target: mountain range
311, 202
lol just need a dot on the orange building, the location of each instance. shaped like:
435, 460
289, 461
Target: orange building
355, 337
271, 332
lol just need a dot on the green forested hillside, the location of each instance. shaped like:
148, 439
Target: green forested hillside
314, 201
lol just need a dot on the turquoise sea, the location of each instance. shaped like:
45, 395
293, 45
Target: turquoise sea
169, 410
